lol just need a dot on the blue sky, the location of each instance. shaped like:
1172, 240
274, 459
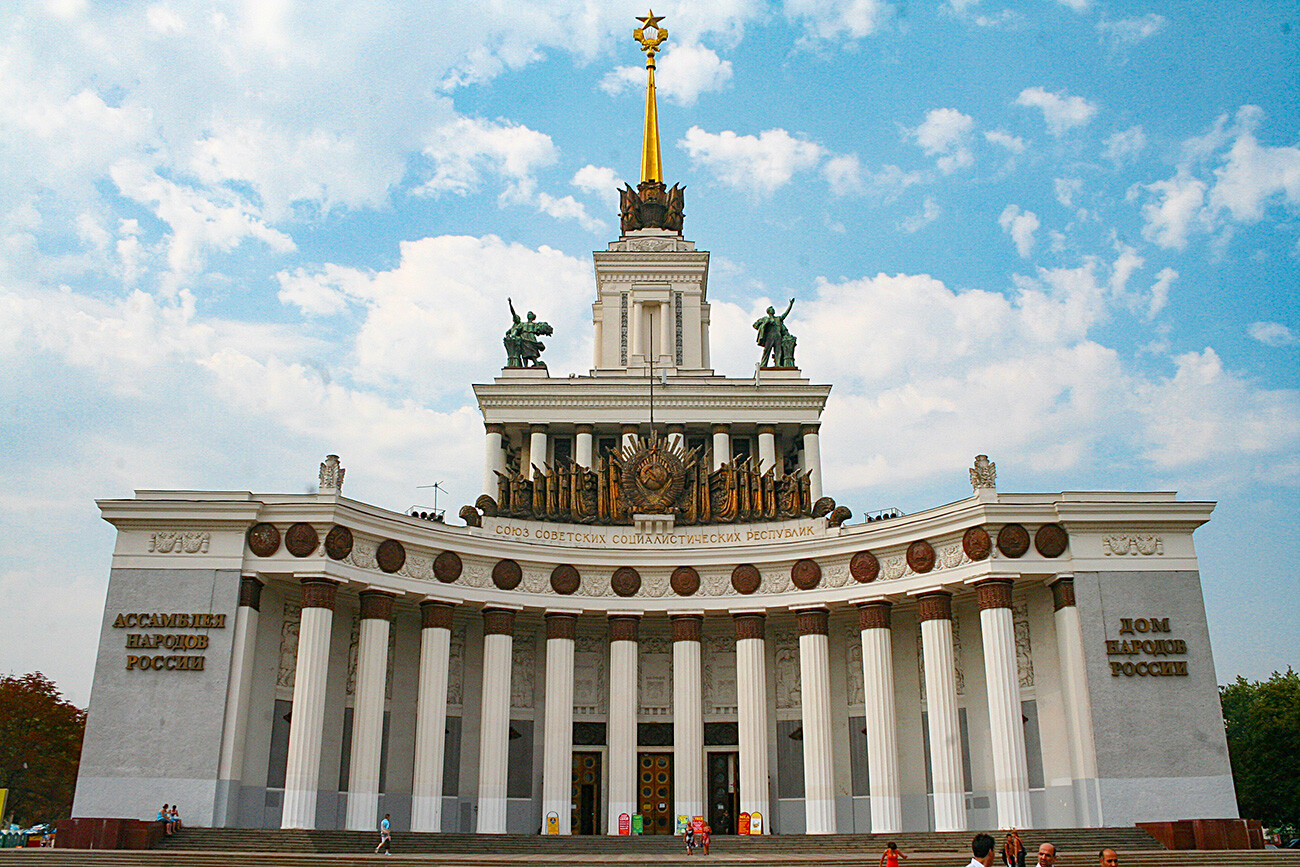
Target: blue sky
237, 236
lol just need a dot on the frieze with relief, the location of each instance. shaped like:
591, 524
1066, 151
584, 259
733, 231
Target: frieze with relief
1121, 544
179, 542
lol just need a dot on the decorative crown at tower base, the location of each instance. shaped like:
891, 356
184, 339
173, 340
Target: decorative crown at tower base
652, 206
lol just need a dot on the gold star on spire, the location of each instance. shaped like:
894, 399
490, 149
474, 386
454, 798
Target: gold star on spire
651, 163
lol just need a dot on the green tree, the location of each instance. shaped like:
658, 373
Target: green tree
1263, 725
40, 747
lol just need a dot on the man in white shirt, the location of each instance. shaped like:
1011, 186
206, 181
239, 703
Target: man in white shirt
982, 850
1046, 855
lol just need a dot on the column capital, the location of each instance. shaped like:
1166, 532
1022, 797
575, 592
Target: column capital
377, 604
561, 625
935, 605
250, 592
721, 429
813, 621
677, 428
538, 428
631, 429
498, 621
583, 428
994, 593
749, 625
319, 593
875, 615
435, 614
687, 627
806, 429
769, 429
623, 627
1062, 592
493, 427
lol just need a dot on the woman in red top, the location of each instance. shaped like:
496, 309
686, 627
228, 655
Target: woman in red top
889, 858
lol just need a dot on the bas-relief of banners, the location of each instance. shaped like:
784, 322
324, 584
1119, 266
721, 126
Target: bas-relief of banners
1024, 652
789, 693
354, 642
456, 668
960, 673
179, 542
655, 673
855, 686
289, 623
590, 684
718, 661
1121, 544
523, 667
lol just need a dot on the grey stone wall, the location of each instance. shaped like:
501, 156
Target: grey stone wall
154, 737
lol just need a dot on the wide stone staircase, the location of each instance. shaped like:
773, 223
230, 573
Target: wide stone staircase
204, 847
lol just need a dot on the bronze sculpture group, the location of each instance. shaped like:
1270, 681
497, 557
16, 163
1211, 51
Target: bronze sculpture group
523, 349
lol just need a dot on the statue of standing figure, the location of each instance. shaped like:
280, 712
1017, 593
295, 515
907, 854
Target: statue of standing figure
523, 349
777, 341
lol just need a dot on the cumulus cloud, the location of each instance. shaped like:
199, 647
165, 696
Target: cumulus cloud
837, 19
1273, 334
1021, 226
930, 212
1067, 190
945, 135
1013, 143
1125, 146
760, 164
460, 152
846, 175
1160, 291
684, 73
1123, 32
1061, 111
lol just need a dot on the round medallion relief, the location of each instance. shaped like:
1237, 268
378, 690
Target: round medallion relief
806, 574
626, 581
301, 539
390, 555
920, 556
506, 574
565, 579
864, 567
338, 542
685, 581
447, 567
745, 579
263, 539
1051, 540
976, 543
1013, 540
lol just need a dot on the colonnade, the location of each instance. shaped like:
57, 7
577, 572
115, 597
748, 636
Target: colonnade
1007, 743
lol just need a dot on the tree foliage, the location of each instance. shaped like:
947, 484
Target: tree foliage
1263, 725
40, 747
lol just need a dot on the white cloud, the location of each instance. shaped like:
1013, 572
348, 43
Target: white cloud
462, 150
1067, 190
1273, 334
1125, 146
1076, 5
945, 134
759, 164
846, 175
684, 73
836, 19
1061, 111
602, 181
1253, 176
930, 212
1160, 291
1175, 205
1129, 31
1021, 226
1013, 143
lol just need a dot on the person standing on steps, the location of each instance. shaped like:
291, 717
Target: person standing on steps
385, 836
1046, 855
889, 858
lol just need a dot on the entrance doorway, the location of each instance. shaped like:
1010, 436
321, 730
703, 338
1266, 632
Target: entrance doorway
656, 787
586, 793
724, 792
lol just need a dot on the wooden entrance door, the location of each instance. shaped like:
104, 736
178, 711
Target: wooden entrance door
656, 787
724, 792
586, 793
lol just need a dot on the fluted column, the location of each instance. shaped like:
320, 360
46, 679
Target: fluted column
1078, 704
621, 731
677, 436
431, 716
536, 448
582, 446
634, 328
368, 711
751, 714
629, 435
557, 738
667, 345
494, 458
721, 445
941, 706
812, 459
494, 726
307, 716
688, 717
1002, 683
882, 718
766, 448
235, 728
815, 692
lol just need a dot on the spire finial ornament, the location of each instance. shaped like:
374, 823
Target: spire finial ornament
650, 36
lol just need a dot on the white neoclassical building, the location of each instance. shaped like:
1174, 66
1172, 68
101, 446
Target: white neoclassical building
654, 612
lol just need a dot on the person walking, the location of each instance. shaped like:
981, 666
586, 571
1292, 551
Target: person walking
982, 851
705, 832
1013, 850
385, 836
889, 858
689, 836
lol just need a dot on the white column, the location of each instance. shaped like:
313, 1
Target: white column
557, 739
751, 714
431, 716
721, 445
676, 436
582, 446
688, 717
621, 731
235, 728
667, 343
536, 448
1078, 705
815, 693
634, 327
766, 448
812, 459
882, 718
307, 716
1002, 683
368, 711
494, 726
629, 434
941, 707
494, 459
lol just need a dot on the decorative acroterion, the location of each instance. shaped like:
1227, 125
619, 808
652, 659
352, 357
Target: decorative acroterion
331, 475
984, 474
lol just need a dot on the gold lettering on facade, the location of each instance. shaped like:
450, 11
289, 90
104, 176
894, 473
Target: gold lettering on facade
1146, 647
175, 641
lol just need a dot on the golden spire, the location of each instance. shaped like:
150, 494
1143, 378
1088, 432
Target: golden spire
650, 35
